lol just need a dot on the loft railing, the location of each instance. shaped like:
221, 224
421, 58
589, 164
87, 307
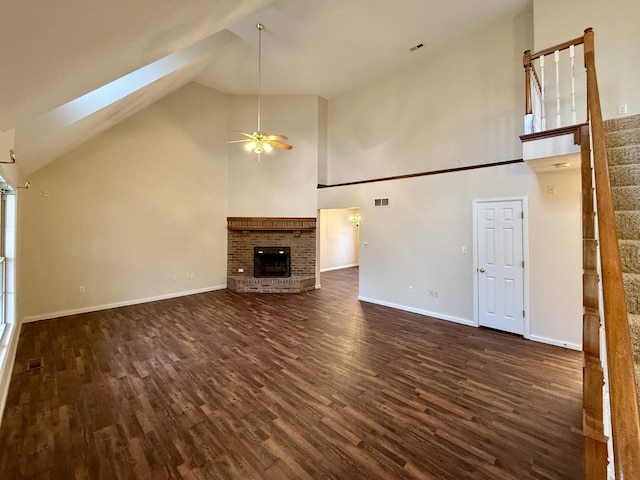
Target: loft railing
611, 425
550, 81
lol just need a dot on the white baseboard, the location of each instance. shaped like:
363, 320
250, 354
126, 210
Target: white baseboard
340, 267
557, 343
8, 348
470, 323
95, 308
427, 313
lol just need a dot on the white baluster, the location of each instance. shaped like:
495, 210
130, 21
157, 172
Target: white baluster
556, 56
573, 85
535, 104
543, 120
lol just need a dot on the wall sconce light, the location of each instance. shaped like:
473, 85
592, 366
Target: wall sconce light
355, 219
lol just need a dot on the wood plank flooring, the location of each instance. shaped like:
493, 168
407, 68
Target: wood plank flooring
301, 386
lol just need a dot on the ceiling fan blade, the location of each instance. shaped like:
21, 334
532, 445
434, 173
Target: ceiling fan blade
277, 137
280, 145
239, 141
244, 133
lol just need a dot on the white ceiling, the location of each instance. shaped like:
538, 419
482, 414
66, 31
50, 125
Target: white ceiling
326, 47
56, 52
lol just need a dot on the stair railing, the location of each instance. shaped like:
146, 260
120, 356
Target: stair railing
543, 95
610, 404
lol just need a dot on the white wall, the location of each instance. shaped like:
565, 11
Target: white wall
418, 240
148, 200
283, 183
128, 210
617, 38
458, 105
323, 119
462, 106
339, 239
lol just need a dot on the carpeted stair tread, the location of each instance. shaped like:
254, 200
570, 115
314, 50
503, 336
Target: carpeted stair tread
628, 225
634, 329
623, 123
622, 138
626, 198
624, 155
623, 175
632, 292
630, 255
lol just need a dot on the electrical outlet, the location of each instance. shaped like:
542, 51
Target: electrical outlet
410, 289
174, 278
81, 289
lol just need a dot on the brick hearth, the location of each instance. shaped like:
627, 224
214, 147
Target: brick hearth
244, 233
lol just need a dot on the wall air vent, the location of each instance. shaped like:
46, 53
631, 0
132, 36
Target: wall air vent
380, 202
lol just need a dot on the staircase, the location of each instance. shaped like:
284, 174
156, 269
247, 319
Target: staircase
623, 152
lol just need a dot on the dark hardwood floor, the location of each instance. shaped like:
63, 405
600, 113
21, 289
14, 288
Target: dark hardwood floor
301, 386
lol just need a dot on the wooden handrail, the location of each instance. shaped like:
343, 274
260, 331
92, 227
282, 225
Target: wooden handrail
622, 405
560, 47
622, 387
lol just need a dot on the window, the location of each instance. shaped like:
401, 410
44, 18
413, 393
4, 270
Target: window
7, 249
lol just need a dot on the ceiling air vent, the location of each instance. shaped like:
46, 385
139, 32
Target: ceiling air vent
380, 202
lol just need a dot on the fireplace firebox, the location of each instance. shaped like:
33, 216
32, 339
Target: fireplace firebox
271, 262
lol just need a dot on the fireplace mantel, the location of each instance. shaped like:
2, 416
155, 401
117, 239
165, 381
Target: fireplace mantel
249, 224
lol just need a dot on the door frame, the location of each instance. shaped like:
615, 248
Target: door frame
525, 255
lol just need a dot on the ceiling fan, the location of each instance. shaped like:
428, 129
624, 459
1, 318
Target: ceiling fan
258, 141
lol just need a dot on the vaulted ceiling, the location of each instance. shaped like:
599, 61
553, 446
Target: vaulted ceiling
71, 69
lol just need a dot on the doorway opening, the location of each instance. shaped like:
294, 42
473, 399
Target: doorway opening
339, 238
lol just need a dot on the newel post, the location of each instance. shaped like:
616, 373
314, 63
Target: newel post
589, 47
526, 62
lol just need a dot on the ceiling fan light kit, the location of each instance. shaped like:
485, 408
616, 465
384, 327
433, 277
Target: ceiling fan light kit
259, 142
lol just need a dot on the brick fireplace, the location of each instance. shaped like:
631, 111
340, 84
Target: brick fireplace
248, 235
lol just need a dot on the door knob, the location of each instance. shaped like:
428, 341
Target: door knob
481, 270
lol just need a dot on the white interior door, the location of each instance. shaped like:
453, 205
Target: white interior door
500, 262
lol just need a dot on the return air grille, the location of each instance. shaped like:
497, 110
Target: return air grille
380, 202
34, 364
